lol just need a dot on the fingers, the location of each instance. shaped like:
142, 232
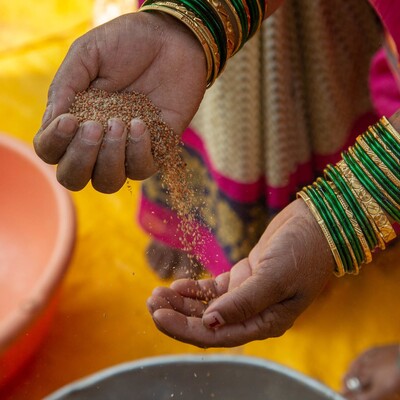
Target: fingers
109, 170
51, 143
139, 160
202, 289
166, 298
249, 294
178, 311
85, 153
76, 166
373, 375
190, 328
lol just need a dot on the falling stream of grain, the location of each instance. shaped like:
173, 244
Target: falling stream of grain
99, 105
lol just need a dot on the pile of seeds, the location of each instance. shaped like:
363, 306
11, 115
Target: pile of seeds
99, 105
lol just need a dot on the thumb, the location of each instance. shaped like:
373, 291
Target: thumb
249, 294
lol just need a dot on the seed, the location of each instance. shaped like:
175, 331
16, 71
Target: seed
166, 146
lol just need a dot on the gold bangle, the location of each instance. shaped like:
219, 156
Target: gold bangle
354, 223
198, 28
377, 161
339, 270
378, 138
226, 22
372, 179
341, 230
381, 225
247, 11
260, 13
385, 122
233, 15
377, 217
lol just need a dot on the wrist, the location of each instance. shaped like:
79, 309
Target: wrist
316, 233
177, 35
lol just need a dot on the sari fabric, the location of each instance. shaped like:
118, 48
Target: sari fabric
287, 104
297, 94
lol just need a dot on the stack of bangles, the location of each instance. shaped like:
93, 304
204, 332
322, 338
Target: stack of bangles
356, 200
221, 26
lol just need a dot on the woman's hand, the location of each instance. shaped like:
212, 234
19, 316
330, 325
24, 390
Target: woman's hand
374, 375
151, 53
260, 297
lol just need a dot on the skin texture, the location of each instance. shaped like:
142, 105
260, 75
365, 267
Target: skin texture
149, 53
263, 294
378, 370
260, 297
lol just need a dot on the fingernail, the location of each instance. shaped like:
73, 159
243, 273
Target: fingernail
115, 129
138, 129
66, 126
91, 132
213, 320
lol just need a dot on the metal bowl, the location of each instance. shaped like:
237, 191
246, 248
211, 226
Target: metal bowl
190, 377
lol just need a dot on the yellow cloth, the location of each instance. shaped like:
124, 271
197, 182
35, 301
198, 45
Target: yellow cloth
102, 318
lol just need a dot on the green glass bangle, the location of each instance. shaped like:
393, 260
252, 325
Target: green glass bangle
388, 139
370, 186
339, 230
255, 15
338, 210
392, 132
377, 174
362, 219
213, 22
383, 155
263, 6
238, 6
339, 268
387, 134
330, 224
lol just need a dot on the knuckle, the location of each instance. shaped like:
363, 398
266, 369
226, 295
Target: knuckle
51, 93
273, 324
77, 44
243, 306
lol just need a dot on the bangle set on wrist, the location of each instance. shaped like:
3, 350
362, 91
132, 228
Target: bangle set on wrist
221, 26
353, 200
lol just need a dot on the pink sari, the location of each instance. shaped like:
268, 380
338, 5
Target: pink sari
239, 205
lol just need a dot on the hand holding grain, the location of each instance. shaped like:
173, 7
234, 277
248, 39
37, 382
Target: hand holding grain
152, 54
260, 297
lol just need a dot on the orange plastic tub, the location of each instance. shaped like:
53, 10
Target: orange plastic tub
37, 236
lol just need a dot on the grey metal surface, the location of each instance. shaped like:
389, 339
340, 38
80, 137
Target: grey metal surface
190, 377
